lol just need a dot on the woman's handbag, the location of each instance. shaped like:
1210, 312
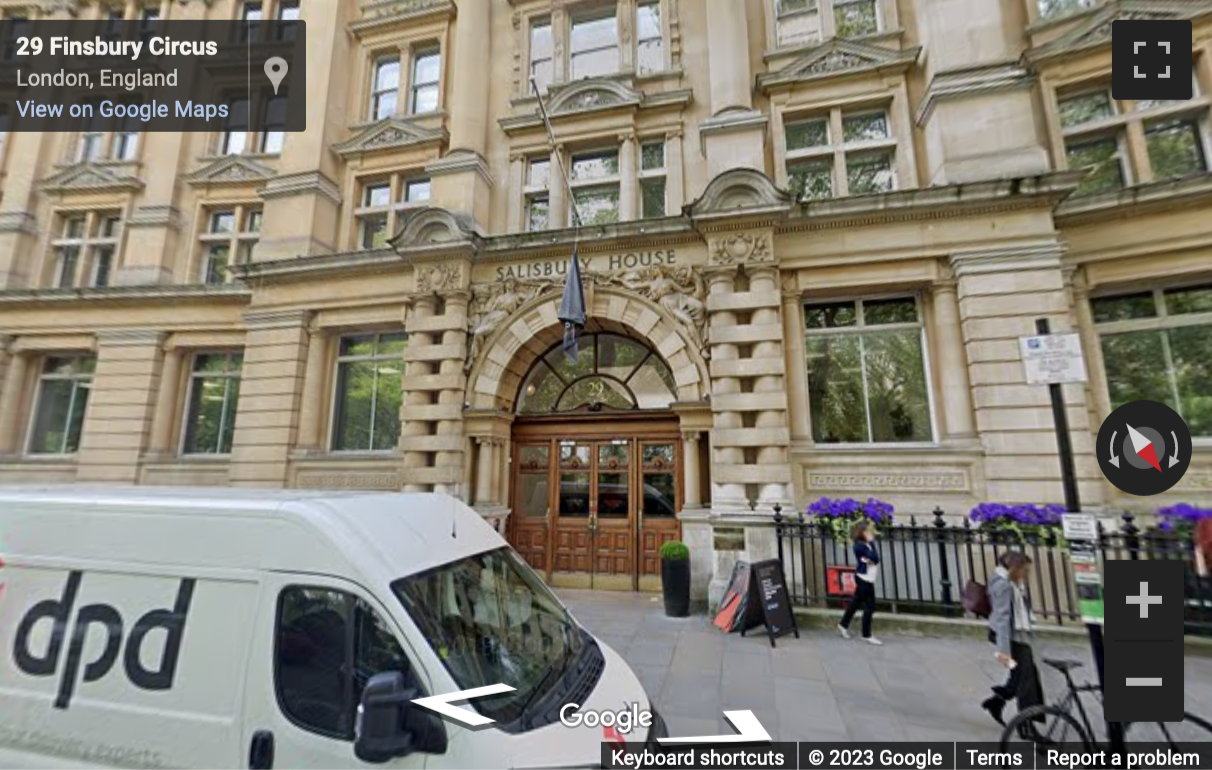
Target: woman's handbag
976, 599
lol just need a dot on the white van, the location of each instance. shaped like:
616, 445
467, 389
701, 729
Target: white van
207, 628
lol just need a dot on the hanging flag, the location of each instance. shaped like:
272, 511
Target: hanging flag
572, 307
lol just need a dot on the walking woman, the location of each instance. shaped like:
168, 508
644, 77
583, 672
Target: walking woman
1010, 631
867, 571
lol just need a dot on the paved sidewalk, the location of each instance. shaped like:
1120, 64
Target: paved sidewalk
819, 687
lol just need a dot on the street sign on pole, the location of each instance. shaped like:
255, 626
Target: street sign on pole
1052, 359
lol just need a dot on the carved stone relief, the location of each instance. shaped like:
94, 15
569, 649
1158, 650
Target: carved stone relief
834, 61
440, 278
739, 248
680, 291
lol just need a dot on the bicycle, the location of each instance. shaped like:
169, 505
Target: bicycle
1051, 723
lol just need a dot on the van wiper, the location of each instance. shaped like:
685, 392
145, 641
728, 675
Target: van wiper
551, 672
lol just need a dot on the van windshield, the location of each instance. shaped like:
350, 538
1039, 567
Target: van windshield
491, 619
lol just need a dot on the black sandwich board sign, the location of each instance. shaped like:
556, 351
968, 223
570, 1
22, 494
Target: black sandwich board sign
757, 596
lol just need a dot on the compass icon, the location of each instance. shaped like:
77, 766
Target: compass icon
1144, 448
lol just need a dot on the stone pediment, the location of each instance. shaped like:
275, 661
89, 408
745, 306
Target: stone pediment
431, 227
592, 94
92, 177
389, 134
837, 57
231, 169
740, 191
1095, 30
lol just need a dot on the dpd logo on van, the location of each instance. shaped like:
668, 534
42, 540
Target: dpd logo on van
59, 611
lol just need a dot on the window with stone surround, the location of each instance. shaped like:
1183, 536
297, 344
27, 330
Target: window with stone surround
210, 417
649, 39
18, 26
229, 240
237, 136
595, 186
867, 369
805, 22
426, 69
652, 179
383, 202
593, 50
538, 193
59, 405
840, 153
1155, 346
542, 54
1100, 135
368, 392
112, 138
422, 90
86, 250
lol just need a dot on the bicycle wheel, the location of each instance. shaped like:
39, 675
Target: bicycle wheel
1175, 735
1055, 725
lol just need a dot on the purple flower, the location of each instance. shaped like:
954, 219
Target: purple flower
1184, 513
1017, 514
850, 509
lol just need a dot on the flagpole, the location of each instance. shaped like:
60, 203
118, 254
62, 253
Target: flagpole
572, 303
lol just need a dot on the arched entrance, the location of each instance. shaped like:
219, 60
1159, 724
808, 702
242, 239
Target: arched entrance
597, 464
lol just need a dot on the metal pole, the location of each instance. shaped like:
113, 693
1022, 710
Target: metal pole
1064, 446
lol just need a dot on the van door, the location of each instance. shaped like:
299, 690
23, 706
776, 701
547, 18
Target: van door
318, 642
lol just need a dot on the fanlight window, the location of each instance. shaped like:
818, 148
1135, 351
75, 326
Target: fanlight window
609, 372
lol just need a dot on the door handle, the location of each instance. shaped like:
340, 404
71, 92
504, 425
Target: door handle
261, 750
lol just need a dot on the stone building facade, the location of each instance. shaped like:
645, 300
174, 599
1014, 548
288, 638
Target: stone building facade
812, 233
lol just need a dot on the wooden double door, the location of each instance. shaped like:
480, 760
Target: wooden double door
594, 501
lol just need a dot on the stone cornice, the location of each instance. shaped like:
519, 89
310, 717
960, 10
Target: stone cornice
18, 222
230, 170
91, 177
1044, 191
306, 183
645, 233
597, 96
379, 15
973, 81
125, 294
1036, 255
1139, 199
459, 162
133, 337
390, 134
370, 260
277, 319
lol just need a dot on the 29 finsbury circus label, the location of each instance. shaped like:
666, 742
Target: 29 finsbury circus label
154, 76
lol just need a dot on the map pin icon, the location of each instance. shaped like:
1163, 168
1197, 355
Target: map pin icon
275, 70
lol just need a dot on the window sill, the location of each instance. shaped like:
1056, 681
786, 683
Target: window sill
39, 459
342, 456
938, 450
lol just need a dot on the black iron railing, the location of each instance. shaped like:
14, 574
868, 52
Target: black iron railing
924, 567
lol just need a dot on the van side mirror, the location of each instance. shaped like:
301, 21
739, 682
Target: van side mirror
380, 734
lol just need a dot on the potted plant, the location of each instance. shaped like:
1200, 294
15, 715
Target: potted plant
675, 578
1018, 522
839, 516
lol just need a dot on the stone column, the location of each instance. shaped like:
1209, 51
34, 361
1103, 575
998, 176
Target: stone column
975, 78
734, 135
118, 418
629, 181
496, 453
167, 403
416, 400
485, 471
799, 415
725, 495
557, 199
271, 389
12, 394
764, 280
311, 416
517, 181
18, 227
461, 180
952, 364
728, 64
690, 471
675, 184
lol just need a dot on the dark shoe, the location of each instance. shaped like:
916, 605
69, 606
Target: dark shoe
995, 706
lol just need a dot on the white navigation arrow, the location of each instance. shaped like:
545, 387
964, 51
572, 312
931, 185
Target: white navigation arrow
1139, 440
749, 730
442, 704
1114, 457
1174, 457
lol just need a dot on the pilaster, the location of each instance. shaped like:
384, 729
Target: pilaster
734, 135
1001, 293
271, 385
431, 436
12, 392
952, 364
118, 418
